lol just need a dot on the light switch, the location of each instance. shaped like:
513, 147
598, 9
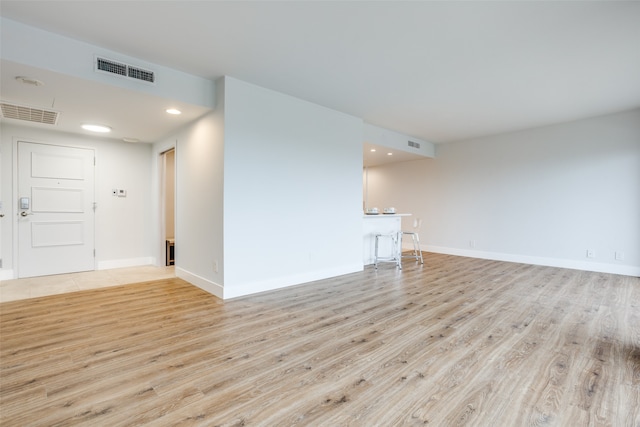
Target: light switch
122, 193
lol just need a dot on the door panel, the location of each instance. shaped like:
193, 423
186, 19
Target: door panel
56, 230
61, 200
57, 166
57, 233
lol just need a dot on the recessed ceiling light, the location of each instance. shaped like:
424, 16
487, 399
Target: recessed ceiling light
131, 140
173, 111
96, 128
373, 150
389, 154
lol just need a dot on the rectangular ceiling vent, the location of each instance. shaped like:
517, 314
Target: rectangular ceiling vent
124, 70
29, 114
414, 144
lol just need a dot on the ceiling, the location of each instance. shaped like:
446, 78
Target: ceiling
440, 71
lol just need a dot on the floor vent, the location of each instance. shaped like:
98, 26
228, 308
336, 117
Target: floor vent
414, 144
29, 114
124, 70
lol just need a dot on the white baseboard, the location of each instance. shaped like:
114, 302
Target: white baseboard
204, 284
625, 270
6, 274
287, 281
228, 292
122, 263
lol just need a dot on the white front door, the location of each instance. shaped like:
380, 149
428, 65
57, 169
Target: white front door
55, 209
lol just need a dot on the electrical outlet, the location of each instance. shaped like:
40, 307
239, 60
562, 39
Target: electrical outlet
619, 256
591, 253
472, 243
215, 266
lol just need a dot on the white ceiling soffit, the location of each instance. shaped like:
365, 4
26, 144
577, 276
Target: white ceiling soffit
131, 114
378, 155
28, 45
121, 69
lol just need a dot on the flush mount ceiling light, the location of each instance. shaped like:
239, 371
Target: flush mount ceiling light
173, 111
29, 81
96, 128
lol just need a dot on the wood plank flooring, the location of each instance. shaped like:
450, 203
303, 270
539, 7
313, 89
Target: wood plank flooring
457, 341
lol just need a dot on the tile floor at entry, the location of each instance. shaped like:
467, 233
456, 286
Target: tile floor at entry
33, 287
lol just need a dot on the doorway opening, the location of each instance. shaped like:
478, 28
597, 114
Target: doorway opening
168, 180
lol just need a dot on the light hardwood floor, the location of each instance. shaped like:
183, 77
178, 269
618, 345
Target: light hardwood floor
457, 341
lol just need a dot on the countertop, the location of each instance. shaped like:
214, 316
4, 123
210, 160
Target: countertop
381, 215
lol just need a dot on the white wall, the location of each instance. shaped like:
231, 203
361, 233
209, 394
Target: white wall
199, 168
123, 232
6, 196
268, 192
199, 219
292, 190
542, 196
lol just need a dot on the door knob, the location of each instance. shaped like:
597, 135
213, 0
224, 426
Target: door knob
25, 213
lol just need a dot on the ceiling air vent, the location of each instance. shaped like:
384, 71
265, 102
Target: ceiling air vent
414, 144
29, 114
140, 74
125, 70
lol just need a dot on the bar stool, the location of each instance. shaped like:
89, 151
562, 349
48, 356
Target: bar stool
417, 253
395, 249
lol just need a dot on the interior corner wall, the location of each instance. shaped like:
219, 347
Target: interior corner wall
292, 191
540, 196
199, 169
122, 227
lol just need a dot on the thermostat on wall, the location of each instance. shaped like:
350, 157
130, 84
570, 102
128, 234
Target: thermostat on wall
122, 193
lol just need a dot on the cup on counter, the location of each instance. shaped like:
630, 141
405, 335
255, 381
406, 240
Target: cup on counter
390, 210
372, 211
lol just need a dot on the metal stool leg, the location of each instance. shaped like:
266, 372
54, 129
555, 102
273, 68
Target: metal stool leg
395, 250
417, 253
416, 248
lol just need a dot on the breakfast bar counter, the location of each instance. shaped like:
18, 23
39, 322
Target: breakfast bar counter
379, 223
